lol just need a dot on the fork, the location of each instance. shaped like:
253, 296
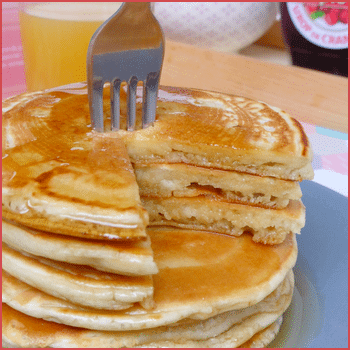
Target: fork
129, 46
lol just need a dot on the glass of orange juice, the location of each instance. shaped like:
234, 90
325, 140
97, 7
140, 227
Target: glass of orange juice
55, 39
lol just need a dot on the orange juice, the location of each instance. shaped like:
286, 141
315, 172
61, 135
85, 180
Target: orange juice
55, 39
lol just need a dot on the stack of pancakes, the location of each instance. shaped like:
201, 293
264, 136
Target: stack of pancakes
178, 235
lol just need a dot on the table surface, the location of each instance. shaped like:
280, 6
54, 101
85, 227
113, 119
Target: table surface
318, 100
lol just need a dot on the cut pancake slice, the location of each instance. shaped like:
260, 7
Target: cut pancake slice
132, 258
62, 177
222, 131
201, 274
269, 226
79, 284
183, 180
258, 323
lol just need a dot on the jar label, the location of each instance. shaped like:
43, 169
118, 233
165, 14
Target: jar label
324, 24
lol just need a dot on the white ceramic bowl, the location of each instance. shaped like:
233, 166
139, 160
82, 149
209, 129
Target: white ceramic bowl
221, 26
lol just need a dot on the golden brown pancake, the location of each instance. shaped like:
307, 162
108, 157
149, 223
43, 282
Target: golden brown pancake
201, 274
183, 180
269, 226
62, 179
59, 176
131, 258
79, 284
264, 337
222, 131
257, 324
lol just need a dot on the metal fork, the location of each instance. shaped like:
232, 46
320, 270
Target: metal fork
129, 47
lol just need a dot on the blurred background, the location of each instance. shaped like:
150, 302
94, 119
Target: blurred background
251, 29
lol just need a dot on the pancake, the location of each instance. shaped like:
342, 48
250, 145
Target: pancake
59, 176
12, 337
222, 131
183, 180
85, 186
79, 284
201, 274
227, 165
257, 323
264, 337
269, 226
131, 258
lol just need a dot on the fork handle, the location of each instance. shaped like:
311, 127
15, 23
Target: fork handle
134, 9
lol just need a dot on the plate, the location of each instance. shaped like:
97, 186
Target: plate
318, 314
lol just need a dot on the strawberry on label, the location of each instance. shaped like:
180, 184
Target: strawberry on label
326, 8
344, 16
332, 17
311, 7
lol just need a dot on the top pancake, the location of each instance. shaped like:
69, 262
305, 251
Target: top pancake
61, 177
225, 132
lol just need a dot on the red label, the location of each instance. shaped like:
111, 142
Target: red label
324, 24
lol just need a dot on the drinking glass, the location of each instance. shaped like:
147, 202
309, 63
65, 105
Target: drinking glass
55, 38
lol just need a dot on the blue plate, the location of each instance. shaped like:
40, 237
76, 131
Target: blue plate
318, 315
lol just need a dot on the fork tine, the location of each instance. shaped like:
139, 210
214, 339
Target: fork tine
150, 91
126, 47
131, 103
115, 104
96, 105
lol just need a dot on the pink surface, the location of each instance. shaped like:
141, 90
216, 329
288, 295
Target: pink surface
13, 79
336, 162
